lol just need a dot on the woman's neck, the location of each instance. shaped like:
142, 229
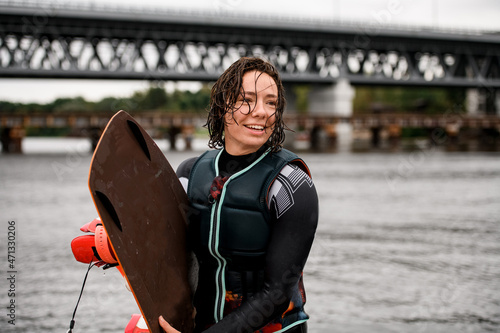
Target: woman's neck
231, 164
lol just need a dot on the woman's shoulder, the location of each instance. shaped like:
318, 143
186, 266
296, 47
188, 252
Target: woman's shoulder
292, 160
294, 173
292, 187
185, 167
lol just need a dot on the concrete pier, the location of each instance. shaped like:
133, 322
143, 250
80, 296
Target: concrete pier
12, 139
333, 100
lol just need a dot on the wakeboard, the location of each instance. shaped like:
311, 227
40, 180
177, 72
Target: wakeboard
142, 206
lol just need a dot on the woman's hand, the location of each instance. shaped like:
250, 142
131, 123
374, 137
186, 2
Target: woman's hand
166, 326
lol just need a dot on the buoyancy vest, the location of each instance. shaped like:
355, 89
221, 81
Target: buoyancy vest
230, 235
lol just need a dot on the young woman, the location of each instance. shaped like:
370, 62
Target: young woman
254, 210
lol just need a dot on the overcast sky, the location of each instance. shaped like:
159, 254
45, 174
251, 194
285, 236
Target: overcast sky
458, 14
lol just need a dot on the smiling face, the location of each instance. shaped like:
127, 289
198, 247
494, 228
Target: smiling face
250, 123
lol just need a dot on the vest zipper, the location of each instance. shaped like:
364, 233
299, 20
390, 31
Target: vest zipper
220, 285
220, 291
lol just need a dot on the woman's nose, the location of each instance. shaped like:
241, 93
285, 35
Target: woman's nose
259, 109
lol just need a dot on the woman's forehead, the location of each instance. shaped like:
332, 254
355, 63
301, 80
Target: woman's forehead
256, 82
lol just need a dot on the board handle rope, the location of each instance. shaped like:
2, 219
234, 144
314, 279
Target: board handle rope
72, 322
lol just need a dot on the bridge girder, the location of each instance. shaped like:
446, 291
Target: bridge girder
65, 43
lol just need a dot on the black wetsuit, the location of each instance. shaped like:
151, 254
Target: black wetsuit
293, 205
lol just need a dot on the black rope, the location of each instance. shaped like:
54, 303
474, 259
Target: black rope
72, 322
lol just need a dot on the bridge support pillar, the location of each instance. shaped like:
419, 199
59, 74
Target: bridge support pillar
188, 134
375, 139
94, 134
172, 136
335, 100
472, 101
12, 139
482, 101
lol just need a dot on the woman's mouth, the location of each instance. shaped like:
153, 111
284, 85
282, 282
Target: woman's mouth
255, 127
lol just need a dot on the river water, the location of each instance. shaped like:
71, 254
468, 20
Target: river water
407, 242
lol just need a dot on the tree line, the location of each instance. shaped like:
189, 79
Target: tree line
155, 98
423, 100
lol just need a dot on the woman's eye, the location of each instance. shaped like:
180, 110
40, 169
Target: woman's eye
242, 101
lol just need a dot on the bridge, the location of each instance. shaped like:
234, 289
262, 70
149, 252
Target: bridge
40, 39
318, 130
50, 40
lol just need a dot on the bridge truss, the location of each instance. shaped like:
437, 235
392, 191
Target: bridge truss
53, 42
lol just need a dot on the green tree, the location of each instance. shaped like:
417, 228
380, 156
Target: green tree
155, 98
78, 104
407, 99
301, 98
113, 104
8, 107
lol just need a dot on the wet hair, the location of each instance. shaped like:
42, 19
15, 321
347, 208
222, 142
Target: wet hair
224, 96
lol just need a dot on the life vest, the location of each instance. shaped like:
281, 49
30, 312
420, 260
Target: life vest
230, 235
